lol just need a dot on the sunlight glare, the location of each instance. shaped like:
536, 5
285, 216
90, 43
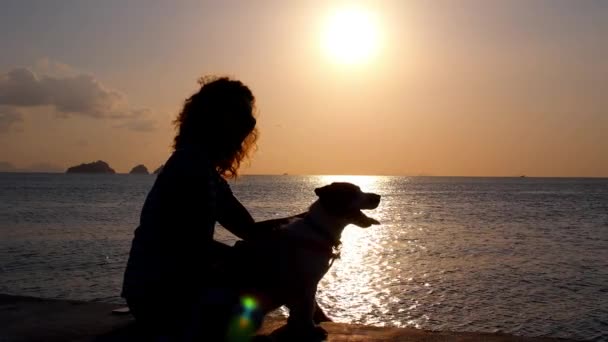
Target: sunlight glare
351, 36
366, 183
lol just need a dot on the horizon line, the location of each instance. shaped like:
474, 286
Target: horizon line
324, 174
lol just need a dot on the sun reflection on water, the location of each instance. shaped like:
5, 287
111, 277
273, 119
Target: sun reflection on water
366, 183
378, 280
361, 279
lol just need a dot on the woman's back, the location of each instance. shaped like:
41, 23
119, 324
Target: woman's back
170, 246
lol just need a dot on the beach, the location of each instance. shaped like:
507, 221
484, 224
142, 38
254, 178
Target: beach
35, 319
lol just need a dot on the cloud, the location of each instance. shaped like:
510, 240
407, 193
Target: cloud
145, 125
9, 118
49, 67
70, 93
138, 120
81, 94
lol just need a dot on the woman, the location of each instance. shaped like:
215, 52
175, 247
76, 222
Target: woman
171, 284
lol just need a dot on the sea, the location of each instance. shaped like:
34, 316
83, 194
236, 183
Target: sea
525, 256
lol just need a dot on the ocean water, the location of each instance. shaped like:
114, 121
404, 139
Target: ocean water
527, 256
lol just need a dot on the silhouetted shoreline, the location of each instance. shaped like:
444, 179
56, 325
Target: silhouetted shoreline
36, 319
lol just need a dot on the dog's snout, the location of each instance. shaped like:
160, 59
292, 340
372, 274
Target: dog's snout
375, 198
372, 201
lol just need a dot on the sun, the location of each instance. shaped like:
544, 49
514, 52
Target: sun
350, 36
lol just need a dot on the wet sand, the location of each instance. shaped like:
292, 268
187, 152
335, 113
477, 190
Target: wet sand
36, 319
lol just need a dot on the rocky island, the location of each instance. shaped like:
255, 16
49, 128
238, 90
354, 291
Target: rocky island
95, 167
139, 170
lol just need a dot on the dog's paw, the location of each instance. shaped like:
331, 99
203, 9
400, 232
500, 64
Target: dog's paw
320, 316
314, 334
318, 334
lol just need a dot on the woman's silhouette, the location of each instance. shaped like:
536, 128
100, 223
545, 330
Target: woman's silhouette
171, 282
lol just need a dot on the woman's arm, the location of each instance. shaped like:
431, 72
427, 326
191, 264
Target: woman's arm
273, 224
235, 217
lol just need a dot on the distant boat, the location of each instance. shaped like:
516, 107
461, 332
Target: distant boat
522, 176
285, 174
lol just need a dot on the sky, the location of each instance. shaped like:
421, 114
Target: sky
459, 88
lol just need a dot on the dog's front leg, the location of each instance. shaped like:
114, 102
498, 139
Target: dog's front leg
300, 324
319, 315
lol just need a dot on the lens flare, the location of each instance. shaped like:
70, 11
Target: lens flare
249, 303
246, 321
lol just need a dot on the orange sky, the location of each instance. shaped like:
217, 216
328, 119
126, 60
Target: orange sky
468, 88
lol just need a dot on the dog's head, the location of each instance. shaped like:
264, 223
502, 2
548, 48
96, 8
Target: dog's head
346, 200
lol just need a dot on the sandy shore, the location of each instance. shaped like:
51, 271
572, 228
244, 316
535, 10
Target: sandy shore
35, 319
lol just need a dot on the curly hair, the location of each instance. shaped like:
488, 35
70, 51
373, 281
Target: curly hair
220, 120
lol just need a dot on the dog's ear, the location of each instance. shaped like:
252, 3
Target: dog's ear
336, 198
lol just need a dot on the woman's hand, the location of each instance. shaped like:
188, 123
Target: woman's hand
233, 216
265, 228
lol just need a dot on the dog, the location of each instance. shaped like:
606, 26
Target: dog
286, 268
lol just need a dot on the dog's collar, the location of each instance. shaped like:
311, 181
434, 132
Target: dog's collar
321, 231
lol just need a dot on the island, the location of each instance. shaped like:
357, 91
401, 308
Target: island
139, 170
160, 168
95, 167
